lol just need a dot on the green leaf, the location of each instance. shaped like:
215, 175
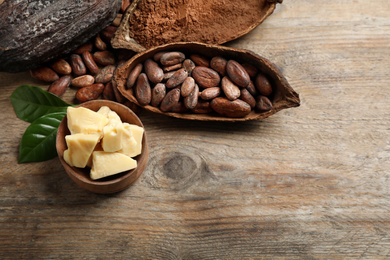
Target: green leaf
39, 140
31, 102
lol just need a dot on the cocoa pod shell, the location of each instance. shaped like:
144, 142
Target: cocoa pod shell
283, 96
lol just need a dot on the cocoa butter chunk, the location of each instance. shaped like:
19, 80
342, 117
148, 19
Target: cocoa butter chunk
53, 28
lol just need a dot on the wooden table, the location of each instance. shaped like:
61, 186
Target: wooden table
306, 183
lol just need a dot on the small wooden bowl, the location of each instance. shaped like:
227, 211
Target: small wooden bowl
109, 184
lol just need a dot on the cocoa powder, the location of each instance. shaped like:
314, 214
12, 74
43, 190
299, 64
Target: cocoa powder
157, 22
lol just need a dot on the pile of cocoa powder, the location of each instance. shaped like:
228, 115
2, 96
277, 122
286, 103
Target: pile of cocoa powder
157, 22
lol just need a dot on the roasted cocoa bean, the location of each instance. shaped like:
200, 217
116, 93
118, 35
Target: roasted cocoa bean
133, 75
203, 107
172, 58
62, 67
83, 81
168, 75
189, 66
99, 43
177, 78
90, 62
191, 100
218, 64
228, 108
104, 58
157, 56
158, 94
143, 92
88, 46
107, 33
172, 67
77, 64
263, 85
206, 77
263, 104
231, 90
187, 86
252, 89
210, 93
200, 60
90, 92
252, 70
248, 98
237, 73
59, 86
44, 74
153, 71
105, 74
170, 100
108, 92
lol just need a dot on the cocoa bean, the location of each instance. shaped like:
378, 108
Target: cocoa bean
189, 66
247, 97
118, 95
90, 62
105, 74
177, 78
59, 86
168, 75
172, 58
203, 107
237, 73
231, 90
228, 108
170, 100
252, 89
133, 75
187, 86
200, 60
108, 92
218, 64
179, 107
61, 66
104, 58
125, 4
263, 104
206, 77
153, 71
143, 92
117, 20
107, 33
99, 43
263, 85
88, 46
44, 74
251, 69
210, 93
90, 92
158, 94
191, 100
77, 64
83, 81
172, 67
157, 56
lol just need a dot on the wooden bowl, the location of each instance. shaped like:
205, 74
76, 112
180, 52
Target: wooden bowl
284, 96
109, 184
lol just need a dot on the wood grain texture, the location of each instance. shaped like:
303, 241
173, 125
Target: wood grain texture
307, 183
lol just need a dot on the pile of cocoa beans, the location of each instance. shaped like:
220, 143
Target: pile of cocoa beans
89, 68
174, 82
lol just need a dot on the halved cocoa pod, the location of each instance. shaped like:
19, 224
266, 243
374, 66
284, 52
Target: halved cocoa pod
283, 95
213, 26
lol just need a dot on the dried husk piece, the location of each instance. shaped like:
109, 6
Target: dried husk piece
283, 97
122, 38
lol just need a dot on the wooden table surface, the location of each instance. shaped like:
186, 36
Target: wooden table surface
311, 182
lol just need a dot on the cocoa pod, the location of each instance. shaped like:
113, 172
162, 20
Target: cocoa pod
104, 58
153, 71
263, 85
59, 86
247, 97
206, 77
210, 93
177, 78
142, 91
105, 74
90, 62
191, 100
263, 104
231, 90
90, 92
200, 60
83, 81
218, 64
226, 107
158, 94
61, 66
187, 86
133, 75
172, 58
237, 73
108, 92
170, 100
77, 64
44, 74
202, 107
189, 66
